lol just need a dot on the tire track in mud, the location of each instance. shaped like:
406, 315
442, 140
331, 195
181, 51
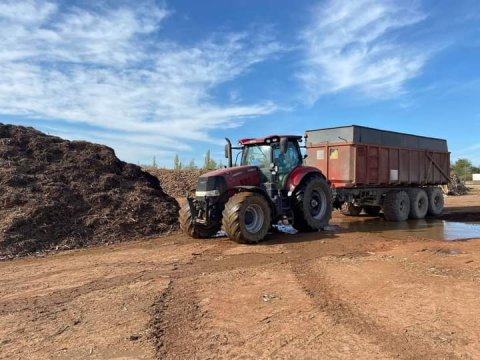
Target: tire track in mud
69, 294
317, 286
176, 315
176, 312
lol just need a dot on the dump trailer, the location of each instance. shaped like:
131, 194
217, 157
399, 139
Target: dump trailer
374, 170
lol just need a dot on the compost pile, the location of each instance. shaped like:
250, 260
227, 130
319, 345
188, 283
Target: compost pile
58, 194
177, 183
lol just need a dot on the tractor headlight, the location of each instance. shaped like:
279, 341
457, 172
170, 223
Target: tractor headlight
200, 193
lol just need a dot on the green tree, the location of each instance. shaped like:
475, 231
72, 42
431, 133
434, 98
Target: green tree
154, 162
177, 164
209, 163
463, 169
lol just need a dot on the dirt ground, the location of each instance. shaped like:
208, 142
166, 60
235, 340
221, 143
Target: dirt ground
364, 289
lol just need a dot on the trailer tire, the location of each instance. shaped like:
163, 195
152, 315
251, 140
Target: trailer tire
197, 231
436, 201
372, 210
396, 206
418, 203
246, 217
350, 209
312, 205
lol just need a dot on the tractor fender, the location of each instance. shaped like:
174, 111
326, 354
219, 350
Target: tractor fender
257, 190
250, 188
299, 174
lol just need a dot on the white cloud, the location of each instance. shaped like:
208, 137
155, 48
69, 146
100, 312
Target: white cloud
349, 45
110, 68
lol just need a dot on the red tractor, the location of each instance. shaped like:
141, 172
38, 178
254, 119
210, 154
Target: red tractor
270, 185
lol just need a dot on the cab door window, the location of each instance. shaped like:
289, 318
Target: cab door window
286, 162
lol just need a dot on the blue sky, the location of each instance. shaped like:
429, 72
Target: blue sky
155, 78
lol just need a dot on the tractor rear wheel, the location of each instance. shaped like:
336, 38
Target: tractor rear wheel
197, 231
350, 209
312, 205
436, 202
246, 217
396, 206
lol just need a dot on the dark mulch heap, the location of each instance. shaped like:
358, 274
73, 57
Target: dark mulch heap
56, 193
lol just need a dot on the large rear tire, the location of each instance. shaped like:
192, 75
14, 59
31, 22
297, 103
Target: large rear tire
418, 203
350, 209
197, 231
312, 205
246, 217
436, 201
396, 206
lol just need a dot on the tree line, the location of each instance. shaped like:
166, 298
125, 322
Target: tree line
208, 163
464, 169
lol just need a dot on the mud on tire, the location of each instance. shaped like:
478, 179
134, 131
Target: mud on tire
436, 202
396, 206
246, 217
312, 205
418, 203
197, 231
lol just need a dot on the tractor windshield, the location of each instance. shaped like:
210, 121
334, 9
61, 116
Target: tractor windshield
257, 155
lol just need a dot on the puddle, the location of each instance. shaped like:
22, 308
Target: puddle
422, 229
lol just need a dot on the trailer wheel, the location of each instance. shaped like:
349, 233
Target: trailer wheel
312, 205
436, 202
372, 210
197, 231
418, 203
396, 206
350, 209
246, 217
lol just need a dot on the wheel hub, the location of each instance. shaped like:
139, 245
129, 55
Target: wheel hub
317, 204
254, 218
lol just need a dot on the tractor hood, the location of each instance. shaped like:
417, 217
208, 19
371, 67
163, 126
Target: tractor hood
218, 182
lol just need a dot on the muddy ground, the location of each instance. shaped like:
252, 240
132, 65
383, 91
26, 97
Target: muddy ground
364, 289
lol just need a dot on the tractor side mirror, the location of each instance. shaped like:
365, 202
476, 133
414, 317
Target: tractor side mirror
228, 151
283, 145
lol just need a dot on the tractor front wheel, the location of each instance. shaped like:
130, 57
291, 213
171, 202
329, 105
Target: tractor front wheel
312, 205
197, 231
246, 217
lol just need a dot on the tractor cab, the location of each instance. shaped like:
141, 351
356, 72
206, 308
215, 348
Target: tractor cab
275, 156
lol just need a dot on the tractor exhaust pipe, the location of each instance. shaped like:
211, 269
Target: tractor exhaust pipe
228, 152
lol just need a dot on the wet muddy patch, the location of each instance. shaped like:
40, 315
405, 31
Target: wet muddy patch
430, 229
